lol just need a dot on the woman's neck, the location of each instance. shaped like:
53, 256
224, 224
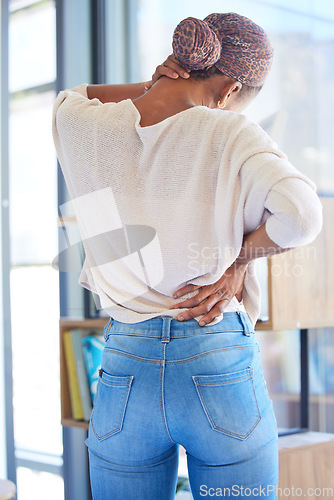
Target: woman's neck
169, 97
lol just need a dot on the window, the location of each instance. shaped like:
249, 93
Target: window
34, 283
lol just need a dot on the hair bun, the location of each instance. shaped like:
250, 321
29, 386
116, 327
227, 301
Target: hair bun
195, 45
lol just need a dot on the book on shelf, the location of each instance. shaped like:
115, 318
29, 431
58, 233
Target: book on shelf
86, 399
83, 355
73, 382
92, 347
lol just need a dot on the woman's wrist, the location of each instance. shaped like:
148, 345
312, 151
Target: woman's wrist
241, 264
244, 257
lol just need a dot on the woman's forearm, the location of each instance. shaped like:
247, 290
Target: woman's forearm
116, 93
257, 244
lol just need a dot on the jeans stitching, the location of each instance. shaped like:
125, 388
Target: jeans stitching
207, 333
222, 383
133, 356
136, 334
161, 402
255, 397
114, 384
119, 425
186, 360
146, 463
202, 332
210, 418
213, 351
107, 328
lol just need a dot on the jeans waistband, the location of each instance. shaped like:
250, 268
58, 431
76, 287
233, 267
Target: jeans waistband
166, 327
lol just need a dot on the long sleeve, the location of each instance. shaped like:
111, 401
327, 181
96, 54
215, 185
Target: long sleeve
276, 192
73, 114
78, 94
296, 213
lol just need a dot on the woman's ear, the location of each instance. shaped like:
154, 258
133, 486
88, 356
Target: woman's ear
233, 89
229, 90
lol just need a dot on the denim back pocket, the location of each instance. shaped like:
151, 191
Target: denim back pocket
110, 404
229, 402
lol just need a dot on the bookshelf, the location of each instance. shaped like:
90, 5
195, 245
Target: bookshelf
66, 325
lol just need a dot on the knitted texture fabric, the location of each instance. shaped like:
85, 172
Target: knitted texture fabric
169, 204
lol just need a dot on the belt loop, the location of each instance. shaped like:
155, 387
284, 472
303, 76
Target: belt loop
247, 330
166, 321
107, 328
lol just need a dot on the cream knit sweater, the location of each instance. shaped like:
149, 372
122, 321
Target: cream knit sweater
169, 204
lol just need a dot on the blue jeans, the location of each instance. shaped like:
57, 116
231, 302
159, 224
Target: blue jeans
164, 383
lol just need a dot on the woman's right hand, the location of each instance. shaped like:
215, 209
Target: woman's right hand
170, 68
211, 300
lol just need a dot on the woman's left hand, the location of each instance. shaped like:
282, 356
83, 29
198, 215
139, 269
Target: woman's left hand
211, 300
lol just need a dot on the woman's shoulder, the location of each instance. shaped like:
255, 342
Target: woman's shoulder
233, 127
231, 119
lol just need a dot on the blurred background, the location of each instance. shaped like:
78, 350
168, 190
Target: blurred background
56, 44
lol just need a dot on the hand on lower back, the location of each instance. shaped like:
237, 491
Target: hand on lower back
211, 300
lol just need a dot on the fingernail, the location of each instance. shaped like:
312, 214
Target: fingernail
201, 323
186, 75
180, 318
175, 75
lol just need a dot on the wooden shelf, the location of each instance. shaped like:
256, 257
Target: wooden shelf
70, 422
294, 398
305, 462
